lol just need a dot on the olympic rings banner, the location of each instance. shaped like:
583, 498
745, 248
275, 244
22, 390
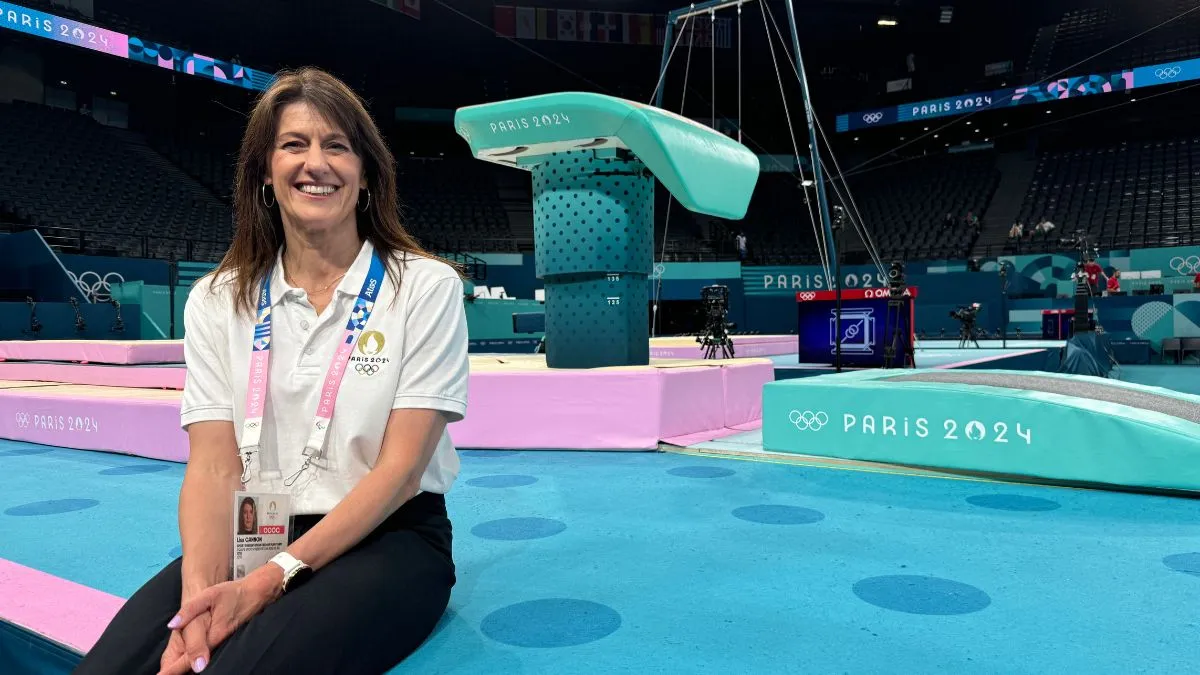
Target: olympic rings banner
1032, 94
79, 34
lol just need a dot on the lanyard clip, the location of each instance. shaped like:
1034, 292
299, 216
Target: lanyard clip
247, 456
309, 456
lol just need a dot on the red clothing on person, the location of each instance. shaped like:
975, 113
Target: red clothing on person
1093, 272
1114, 284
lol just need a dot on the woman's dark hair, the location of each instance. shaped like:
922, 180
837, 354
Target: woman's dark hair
258, 229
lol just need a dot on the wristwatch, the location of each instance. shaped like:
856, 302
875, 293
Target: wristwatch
295, 572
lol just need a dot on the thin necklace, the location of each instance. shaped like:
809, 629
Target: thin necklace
321, 289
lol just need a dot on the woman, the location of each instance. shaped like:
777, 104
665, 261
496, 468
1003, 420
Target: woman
248, 523
320, 272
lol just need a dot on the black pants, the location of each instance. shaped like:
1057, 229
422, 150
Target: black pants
363, 613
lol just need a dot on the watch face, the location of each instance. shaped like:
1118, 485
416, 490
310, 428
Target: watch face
297, 579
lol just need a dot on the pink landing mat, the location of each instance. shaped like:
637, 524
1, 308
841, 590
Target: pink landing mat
149, 377
61, 611
122, 352
744, 347
512, 406
142, 422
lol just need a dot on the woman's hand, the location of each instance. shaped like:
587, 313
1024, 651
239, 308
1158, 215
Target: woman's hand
218, 611
187, 649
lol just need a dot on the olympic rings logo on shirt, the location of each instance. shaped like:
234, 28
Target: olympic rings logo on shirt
1167, 73
872, 118
367, 369
808, 420
1188, 265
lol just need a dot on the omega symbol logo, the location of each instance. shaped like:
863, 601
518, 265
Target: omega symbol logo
808, 420
872, 118
371, 343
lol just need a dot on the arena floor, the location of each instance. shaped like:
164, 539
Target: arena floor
672, 563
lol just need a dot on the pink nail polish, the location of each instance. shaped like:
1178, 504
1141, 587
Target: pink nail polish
174, 623
199, 664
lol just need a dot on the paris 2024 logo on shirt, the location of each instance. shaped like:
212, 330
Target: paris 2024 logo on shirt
369, 360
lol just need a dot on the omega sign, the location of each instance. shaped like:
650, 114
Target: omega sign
529, 122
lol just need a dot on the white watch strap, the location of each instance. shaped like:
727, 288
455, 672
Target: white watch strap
288, 562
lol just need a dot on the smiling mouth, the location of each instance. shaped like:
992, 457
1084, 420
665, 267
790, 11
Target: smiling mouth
314, 190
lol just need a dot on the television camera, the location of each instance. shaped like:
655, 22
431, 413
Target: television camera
715, 306
895, 278
967, 317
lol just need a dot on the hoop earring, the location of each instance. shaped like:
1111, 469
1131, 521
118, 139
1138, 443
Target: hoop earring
368, 204
264, 196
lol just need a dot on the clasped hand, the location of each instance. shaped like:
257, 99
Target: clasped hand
211, 616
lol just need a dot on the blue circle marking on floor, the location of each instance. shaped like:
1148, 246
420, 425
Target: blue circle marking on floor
1013, 503
701, 472
502, 481
915, 594
51, 507
515, 529
1188, 563
134, 469
552, 622
489, 453
778, 514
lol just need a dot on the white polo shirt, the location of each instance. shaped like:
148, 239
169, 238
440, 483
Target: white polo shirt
411, 354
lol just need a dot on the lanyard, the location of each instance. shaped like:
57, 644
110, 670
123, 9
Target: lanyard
256, 391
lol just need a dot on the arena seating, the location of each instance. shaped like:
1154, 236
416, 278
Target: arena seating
904, 205
1086, 32
1129, 195
452, 204
63, 170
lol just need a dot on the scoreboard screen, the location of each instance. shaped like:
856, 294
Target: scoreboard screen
868, 326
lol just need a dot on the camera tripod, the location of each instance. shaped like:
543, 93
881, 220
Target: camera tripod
967, 335
716, 338
899, 326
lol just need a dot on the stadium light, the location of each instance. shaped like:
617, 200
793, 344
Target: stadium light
887, 21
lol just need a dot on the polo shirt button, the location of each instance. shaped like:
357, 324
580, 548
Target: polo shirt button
304, 325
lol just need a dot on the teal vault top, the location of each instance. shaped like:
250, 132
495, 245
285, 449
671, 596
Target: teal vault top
705, 170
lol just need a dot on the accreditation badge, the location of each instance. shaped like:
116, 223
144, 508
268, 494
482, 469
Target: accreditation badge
260, 529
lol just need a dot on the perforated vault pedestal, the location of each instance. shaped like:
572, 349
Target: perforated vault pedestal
594, 160
593, 220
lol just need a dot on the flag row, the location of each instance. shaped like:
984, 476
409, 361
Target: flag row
409, 7
569, 25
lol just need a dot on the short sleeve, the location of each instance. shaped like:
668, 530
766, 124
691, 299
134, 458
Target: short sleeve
207, 393
435, 364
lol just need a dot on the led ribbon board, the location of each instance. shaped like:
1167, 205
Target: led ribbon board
79, 34
1042, 92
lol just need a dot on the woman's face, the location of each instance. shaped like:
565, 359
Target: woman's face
247, 516
315, 174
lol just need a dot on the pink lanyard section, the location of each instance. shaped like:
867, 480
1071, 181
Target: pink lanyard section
256, 390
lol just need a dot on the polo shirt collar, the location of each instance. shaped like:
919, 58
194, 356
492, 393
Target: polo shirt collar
350, 284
